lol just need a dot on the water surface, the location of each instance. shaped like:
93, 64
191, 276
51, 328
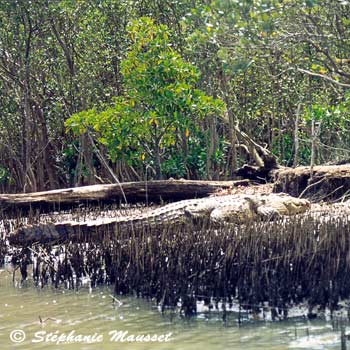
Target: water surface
94, 312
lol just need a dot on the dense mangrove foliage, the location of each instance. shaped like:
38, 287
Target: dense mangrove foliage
91, 90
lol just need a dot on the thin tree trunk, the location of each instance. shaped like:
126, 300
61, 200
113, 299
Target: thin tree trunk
38, 161
296, 137
231, 122
313, 147
156, 152
88, 160
157, 161
29, 178
210, 150
79, 165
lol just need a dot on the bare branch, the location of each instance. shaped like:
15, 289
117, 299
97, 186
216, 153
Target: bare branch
323, 77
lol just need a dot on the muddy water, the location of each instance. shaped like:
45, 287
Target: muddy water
34, 318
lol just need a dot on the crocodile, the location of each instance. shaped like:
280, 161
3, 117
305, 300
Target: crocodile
236, 208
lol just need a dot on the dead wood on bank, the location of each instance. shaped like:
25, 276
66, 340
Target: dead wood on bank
265, 161
151, 191
326, 182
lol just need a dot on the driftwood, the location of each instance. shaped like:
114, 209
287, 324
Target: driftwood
265, 161
327, 182
133, 192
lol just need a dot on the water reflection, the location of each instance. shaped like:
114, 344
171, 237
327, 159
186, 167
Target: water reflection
59, 312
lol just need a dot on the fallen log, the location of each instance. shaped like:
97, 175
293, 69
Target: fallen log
326, 182
128, 192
